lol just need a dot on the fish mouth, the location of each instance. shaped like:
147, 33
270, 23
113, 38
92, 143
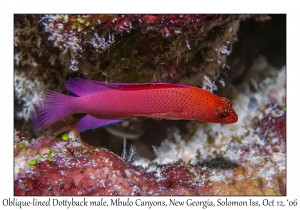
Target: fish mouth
231, 119
235, 118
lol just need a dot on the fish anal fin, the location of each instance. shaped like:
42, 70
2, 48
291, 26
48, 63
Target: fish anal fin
91, 122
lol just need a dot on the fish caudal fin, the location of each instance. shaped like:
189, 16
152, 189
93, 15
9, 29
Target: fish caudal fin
51, 107
91, 122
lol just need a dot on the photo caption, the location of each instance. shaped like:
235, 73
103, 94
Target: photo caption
150, 203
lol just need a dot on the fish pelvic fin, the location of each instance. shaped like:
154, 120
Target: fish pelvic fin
51, 107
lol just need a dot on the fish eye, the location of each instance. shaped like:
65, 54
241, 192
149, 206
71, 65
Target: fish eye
223, 115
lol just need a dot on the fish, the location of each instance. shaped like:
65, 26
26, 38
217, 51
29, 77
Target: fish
106, 103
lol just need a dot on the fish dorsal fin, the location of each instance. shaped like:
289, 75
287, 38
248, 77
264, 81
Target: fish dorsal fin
82, 87
142, 86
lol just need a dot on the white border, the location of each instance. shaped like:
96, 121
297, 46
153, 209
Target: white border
153, 6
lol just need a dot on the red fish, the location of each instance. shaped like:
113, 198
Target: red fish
108, 103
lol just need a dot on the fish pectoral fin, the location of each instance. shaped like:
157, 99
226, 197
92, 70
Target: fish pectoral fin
91, 122
169, 116
183, 114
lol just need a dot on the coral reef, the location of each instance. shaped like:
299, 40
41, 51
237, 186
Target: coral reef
76, 169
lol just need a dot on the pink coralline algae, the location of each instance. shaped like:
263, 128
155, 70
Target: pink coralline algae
80, 170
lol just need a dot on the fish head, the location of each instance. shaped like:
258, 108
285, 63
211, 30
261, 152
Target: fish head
225, 113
